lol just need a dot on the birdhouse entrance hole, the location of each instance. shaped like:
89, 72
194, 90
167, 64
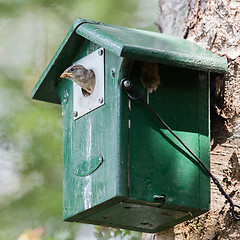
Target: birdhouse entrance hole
84, 103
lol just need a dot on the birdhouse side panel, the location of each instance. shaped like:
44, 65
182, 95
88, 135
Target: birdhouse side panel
159, 164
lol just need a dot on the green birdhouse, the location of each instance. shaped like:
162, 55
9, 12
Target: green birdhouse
121, 167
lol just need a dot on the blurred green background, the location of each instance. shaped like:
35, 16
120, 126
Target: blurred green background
31, 131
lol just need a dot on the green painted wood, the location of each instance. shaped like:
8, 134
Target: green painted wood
124, 42
95, 134
152, 46
158, 163
118, 157
138, 217
89, 165
139, 162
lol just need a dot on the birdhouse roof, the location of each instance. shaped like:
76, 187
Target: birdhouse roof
124, 42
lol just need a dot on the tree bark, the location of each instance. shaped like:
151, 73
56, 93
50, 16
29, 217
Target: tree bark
214, 25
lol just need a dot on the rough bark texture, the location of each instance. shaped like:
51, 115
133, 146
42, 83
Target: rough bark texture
214, 24
172, 15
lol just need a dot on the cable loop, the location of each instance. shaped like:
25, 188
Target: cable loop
126, 86
236, 215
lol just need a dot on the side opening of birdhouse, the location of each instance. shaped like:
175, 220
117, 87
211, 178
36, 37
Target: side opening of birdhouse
158, 164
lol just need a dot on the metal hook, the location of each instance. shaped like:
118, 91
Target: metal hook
126, 86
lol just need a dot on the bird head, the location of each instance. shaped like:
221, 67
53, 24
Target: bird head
73, 73
85, 78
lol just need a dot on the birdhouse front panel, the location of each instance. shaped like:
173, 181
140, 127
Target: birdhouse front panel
95, 161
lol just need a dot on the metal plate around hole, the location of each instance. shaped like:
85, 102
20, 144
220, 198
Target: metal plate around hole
85, 104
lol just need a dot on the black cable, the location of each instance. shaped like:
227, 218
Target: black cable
127, 87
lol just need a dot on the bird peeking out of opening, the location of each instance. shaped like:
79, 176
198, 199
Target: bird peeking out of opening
149, 76
84, 77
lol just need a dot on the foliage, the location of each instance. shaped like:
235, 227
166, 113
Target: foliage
38, 234
30, 131
105, 233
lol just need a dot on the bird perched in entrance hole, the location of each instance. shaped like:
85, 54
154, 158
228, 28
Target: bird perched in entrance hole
84, 77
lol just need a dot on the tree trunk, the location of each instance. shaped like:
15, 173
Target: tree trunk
214, 25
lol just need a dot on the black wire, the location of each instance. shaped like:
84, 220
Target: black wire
140, 98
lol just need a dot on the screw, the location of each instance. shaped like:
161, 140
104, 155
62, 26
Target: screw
75, 114
100, 100
127, 83
161, 198
100, 52
113, 72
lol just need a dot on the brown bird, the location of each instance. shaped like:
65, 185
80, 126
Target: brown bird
150, 76
84, 77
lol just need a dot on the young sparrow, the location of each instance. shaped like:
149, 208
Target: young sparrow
85, 78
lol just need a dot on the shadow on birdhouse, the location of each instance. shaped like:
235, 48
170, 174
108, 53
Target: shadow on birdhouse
120, 167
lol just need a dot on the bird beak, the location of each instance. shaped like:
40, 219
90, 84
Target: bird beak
64, 75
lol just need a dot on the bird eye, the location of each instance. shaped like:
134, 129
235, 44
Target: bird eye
72, 69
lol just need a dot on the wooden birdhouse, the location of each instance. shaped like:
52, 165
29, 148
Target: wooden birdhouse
121, 168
